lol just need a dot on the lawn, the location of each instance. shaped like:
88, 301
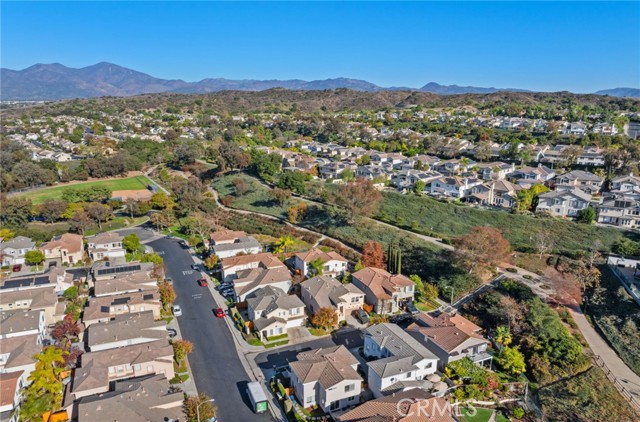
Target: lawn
588, 396
55, 192
481, 415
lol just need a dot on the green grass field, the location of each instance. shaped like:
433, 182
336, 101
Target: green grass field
55, 192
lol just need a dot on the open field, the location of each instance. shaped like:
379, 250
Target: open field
55, 192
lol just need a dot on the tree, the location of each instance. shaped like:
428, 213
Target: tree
317, 266
186, 153
586, 215
511, 360
627, 247
161, 201
199, 224
279, 195
199, 406
372, 255
167, 294
64, 331
6, 234
80, 221
266, 165
482, 248
131, 243
181, 349
326, 318
154, 258
283, 244
99, 213
419, 187
45, 391
348, 175
359, 198
240, 186
394, 260
15, 212
544, 242
34, 257
52, 210
431, 291
293, 181
419, 285
211, 261
229, 156
162, 220
503, 335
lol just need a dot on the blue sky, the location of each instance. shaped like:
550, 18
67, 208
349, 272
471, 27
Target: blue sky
576, 46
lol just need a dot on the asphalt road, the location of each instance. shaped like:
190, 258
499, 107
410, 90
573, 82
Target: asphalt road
216, 367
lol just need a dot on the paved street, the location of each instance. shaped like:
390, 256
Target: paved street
216, 367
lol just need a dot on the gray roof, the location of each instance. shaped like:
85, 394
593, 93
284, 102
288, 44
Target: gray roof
327, 366
19, 321
103, 238
563, 193
21, 350
581, 175
269, 299
125, 327
247, 242
18, 242
134, 400
327, 291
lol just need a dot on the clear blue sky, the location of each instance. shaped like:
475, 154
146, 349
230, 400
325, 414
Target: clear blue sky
577, 46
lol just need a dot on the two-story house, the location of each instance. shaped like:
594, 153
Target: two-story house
454, 186
273, 311
11, 385
450, 338
529, 176
587, 182
620, 211
125, 330
13, 251
242, 245
385, 292
327, 292
22, 323
65, 249
326, 378
563, 203
104, 308
332, 262
398, 358
106, 246
233, 265
499, 193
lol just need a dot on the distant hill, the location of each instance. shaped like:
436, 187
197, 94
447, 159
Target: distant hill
56, 81
621, 92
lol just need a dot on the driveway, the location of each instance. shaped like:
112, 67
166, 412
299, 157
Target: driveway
216, 367
144, 232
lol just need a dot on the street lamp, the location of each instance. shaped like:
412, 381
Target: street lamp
450, 287
198, 407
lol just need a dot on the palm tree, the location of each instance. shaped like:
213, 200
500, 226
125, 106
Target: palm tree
283, 243
317, 265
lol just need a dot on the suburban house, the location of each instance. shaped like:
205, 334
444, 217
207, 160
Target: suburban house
563, 203
334, 170
222, 237
98, 369
125, 330
104, 308
407, 406
66, 249
241, 245
104, 270
332, 262
131, 282
327, 292
136, 400
625, 184
450, 338
11, 384
273, 311
22, 323
231, 266
16, 353
453, 186
57, 278
385, 292
252, 279
622, 212
498, 193
581, 179
495, 171
13, 251
407, 179
106, 246
327, 378
398, 358
38, 298
529, 176
591, 156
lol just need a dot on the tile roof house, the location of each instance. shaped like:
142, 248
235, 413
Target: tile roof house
98, 369
66, 249
499, 193
22, 323
231, 266
327, 378
399, 357
135, 400
105, 246
125, 330
104, 308
563, 203
450, 338
125, 283
241, 245
333, 262
327, 292
12, 252
252, 279
273, 311
384, 291
222, 237
16, 353
409, 406
38, 298
10, 396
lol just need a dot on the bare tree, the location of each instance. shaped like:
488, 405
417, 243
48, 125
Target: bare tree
544, 242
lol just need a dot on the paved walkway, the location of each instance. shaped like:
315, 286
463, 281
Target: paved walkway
189, 386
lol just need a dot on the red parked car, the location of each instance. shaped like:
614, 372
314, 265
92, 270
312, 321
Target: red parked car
17, 268
218, 312
203, 282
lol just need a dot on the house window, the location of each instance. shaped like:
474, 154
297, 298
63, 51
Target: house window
120, 368
349, 387
309, 399
352, 398
137, 367
355, 299
112, 370
408, 375
149, 368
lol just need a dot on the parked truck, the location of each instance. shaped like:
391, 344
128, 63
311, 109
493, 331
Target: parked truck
257, 397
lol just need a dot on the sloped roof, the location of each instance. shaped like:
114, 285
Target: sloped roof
18, 242
327, 366
316, 253
98, 307
68, 241
260, 277
126, 326
381, 282
40, 297
103, 238
264, 260
19, 320
327, 291
21, 350
8, 385
246, 242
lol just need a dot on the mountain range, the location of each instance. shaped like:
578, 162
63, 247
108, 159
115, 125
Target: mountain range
56, 81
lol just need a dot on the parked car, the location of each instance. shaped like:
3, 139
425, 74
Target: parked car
400, 318
168, 280
194, 267
218, 312
203, 282
411, 308
17, 268
361, 316
177, 311
171, 332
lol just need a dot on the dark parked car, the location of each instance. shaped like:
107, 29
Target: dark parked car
411, 308
400, 318
361, 316
17, 268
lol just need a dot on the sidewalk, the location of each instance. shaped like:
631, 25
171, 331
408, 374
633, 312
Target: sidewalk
189, 386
